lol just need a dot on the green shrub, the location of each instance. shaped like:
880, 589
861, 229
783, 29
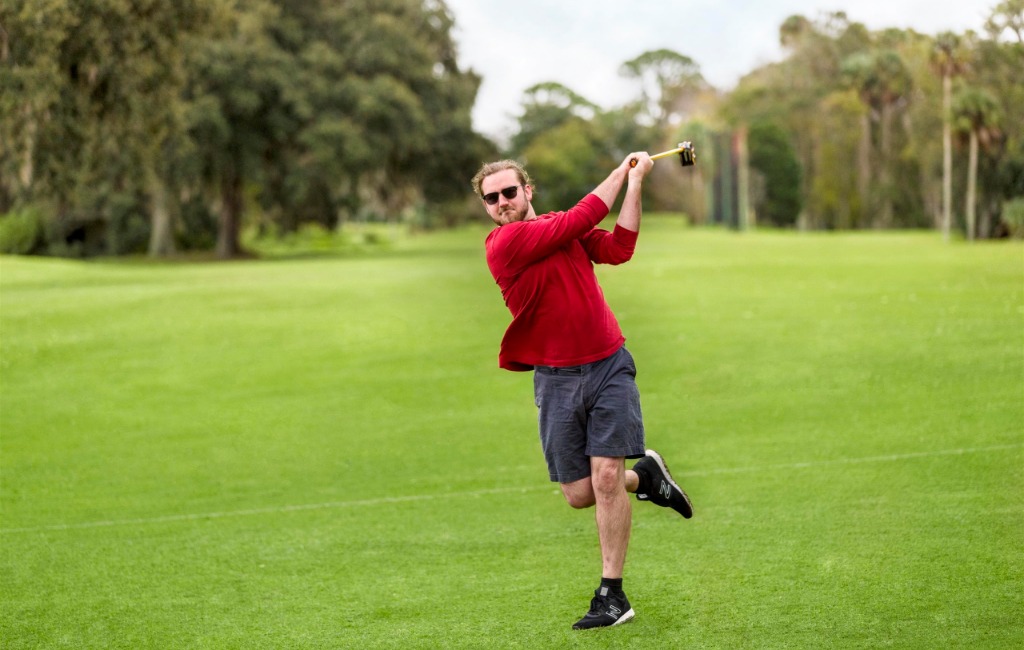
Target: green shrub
772, 154
1013, 217
20, 232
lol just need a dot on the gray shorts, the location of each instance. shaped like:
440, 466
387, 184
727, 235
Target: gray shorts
588, 410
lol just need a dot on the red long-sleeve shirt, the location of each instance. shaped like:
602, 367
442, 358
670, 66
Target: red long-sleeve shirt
545, 269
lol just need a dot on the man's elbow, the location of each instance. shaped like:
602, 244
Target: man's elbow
620, 257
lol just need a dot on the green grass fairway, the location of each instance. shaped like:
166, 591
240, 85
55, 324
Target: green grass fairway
321, 452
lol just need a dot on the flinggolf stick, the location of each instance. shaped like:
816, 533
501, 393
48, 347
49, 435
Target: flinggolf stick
684, 149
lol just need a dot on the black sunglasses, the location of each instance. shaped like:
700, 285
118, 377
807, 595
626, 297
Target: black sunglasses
509, 193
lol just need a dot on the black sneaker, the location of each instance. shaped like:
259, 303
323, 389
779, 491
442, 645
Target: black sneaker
659, 488
606, 609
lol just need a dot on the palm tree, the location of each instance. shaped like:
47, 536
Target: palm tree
858, 73
894, 85
949, 59
977, 114
883, 82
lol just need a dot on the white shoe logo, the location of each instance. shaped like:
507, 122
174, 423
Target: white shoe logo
665, 490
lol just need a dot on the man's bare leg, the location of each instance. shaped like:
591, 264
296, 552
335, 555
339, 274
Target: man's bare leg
614, 513
608, 488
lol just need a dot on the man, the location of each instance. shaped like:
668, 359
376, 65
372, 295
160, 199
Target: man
584, 379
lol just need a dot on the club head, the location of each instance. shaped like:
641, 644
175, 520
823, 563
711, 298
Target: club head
687, 157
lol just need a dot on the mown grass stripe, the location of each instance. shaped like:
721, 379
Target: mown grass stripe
486, 492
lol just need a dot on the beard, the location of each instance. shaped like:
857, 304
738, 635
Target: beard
511, 213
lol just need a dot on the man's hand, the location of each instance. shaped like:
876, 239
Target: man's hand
643, 166
609, 189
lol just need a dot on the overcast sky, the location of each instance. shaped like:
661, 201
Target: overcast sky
515, 44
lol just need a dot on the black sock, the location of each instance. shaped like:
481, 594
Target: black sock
643, 485
614, 584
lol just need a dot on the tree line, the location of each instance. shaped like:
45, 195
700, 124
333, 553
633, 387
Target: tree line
134, 126
853, 129
143, 125
890, 126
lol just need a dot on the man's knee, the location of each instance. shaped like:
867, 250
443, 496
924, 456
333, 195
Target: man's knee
579, 494
608, 476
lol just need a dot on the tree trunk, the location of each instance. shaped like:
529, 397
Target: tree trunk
161, 234
947, 156
972, 183
885, 169
985, 214
27, 172
230, 217
743, 179
864, 168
